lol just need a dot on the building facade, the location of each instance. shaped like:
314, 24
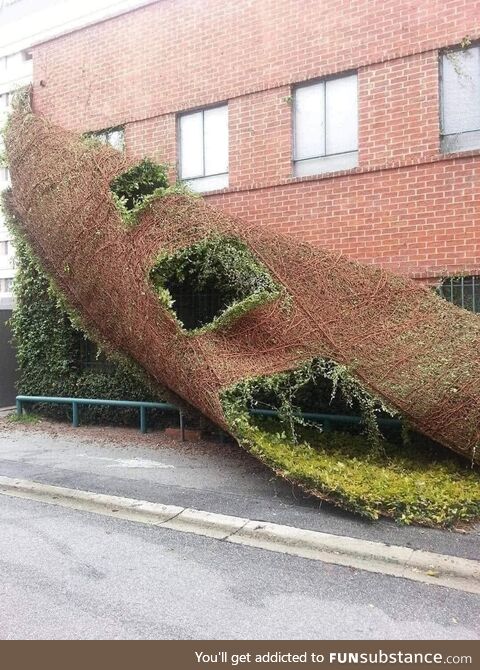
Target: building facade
353, 125
15, 71
22, 24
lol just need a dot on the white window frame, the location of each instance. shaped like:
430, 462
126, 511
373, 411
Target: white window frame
6, 285
466, 140
204, 181
323, 162
4, 247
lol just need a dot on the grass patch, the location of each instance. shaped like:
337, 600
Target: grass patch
394, 473
26, 418
412, 484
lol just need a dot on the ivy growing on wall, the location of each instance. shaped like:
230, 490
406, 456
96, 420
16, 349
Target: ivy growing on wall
49, 345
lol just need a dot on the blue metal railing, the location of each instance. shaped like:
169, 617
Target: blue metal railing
76, 402
327, 420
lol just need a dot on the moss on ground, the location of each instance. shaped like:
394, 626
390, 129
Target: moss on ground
25, 418
416, 483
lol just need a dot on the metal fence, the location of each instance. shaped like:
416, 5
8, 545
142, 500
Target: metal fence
462, 291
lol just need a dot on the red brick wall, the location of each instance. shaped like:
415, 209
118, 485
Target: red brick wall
406, 206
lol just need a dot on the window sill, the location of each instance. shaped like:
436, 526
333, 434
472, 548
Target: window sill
208, 184
460, 143
325, 164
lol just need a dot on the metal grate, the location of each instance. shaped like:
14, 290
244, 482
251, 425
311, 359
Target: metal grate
87, 357
462, 291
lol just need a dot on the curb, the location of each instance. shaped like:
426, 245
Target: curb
398, 561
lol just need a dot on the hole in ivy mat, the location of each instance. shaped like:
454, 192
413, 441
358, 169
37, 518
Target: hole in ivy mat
370, 467
211, 282
132, 188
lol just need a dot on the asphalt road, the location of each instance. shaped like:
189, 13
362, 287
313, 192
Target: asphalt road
70, 574
67, 574
217, 478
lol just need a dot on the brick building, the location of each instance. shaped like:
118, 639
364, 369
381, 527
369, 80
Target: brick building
354, 125
23, 23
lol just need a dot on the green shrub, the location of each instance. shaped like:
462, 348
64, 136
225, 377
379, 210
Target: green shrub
416, 484
142, 180
48, 348
211, 283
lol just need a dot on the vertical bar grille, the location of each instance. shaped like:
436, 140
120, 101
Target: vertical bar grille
462, 291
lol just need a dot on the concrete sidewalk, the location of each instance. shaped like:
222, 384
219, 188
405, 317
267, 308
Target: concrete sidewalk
219, 478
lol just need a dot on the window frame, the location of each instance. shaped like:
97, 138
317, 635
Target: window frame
105, 132
6, 285
198, 178
444, 137
326, 156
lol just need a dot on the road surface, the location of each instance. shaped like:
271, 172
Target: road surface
71, 574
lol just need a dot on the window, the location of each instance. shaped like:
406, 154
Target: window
4, 245
462, 291
13, 62
4, 101
203, 148
4, 177
6, 285
326, 126
115, 137
460, 100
